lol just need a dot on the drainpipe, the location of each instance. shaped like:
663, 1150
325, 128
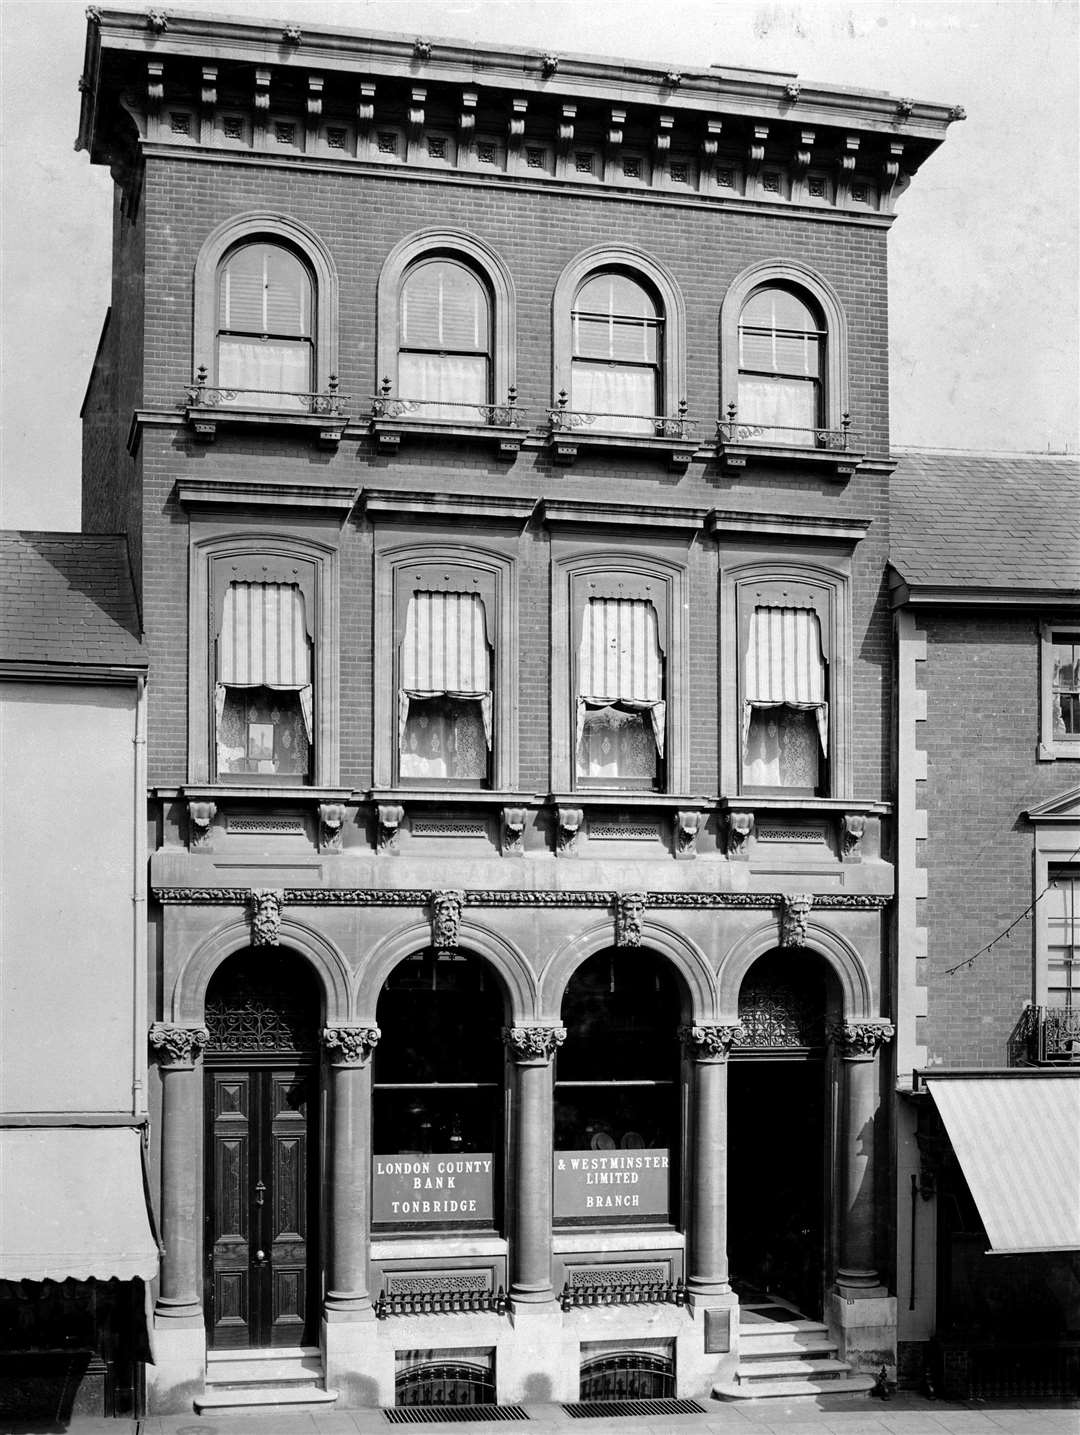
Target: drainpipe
138, 910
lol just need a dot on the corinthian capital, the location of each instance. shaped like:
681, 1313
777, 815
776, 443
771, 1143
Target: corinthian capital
861, 1039
534, 1043
350, 1045
178, 1045
710, 1042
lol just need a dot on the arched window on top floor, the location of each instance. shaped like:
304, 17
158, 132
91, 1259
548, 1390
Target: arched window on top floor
265, 342
782, 341
616, 371
444, 335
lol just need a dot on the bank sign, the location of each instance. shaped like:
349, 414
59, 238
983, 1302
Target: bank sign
436, 1187
628, 1183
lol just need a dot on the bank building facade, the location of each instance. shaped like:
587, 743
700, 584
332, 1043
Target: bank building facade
502, 444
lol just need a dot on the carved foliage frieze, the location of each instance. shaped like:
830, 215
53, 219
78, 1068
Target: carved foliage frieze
861, 1040
712, 1042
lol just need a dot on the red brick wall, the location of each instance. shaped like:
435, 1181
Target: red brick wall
982, 679
360, 218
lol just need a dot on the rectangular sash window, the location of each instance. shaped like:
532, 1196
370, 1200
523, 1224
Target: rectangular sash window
445, 695
784, 699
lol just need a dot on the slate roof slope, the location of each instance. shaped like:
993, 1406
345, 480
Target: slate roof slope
67, 598
970, 520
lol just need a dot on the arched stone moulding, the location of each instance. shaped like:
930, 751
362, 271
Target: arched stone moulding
843, 959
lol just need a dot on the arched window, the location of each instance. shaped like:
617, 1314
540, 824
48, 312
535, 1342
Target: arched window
438, 1071
617, 1091
616, 365
444, 331
265, 344
781, 363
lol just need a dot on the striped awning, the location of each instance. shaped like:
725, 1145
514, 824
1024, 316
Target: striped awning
784, 665
1017, 1139
263, 641
446, 652
619, 660
74, 1205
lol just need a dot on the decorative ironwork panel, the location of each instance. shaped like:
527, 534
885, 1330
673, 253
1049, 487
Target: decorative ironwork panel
778, 1017
257, 1026
602, 1276
630, 1376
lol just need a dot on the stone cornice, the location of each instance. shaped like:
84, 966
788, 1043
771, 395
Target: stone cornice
636, 515
383, 504
420, 897
735, 523
903, 593
246, 493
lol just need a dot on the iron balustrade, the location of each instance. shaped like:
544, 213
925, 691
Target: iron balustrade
387, 405
1046, 1034
731, 431
439, 1302
332, 403
564, 419
624, 1293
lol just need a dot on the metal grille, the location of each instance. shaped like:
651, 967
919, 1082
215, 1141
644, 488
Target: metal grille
436, 1414
607, 1409
632, 1375
446, 1384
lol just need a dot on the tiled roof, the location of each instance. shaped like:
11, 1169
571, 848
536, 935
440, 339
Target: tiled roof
67, 598
969, 520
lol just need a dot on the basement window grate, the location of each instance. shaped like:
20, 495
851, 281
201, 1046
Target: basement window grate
611, 1409
433, 1414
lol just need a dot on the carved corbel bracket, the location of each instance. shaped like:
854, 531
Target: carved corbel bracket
852, 829
208, 92
845, 166
629, 918
515, 128
755, 154
566, 129
665, 124
262, 97
890, 175
178, 1045
803, 154
331, 825
446, 919
533, 1043
365, 109
861, 1040
710, 146
513, 831
314, 99
200, 825
615, 130
388, 818
739, 827
155, 85
569, 825
267, 905
350, 1045
687, 827
794, 915
712, 1042
467, 116
415, 115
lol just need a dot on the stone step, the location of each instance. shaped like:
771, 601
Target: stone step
282, 1369
795, 1367
297, 1398
784, 1389
762, 1347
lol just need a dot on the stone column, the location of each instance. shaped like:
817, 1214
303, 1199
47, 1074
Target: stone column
707, 1266
179, 1049
858, 1044
349, 1050
531, 1050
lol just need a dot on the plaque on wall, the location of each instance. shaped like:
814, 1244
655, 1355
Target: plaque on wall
441, 1186
612, 1183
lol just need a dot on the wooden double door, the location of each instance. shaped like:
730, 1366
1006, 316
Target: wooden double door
262, 1246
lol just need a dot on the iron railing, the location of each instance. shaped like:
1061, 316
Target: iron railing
626, 1293
564, 419
1046, 1034
332, 403
439, 1302
731, 431
387, 405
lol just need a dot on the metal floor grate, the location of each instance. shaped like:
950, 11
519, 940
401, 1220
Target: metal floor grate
606, 1409
459, 1414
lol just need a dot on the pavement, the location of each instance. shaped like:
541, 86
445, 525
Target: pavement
901, 1414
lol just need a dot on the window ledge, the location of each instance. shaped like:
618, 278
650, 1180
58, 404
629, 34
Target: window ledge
832, 452
1059, 752
609, 1238
410, 1246
447, 796
565, 443
389, 431
777, 803
205, 419
627, 797
265, 793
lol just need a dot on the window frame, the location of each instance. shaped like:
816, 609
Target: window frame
217, 559
1051, 749
825, 586
474, 254
1057, 838
815, 383
490, 572
274, 228
809, 286
615, 570
653, 276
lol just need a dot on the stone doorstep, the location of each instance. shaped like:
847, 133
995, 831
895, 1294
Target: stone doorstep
245, 1379
783, 1389
299, 1398
808, 1342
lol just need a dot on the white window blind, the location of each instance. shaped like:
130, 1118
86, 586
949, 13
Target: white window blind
263, 642
445, 653
785, 667
619, 661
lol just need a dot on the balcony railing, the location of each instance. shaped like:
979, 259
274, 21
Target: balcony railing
733, 431
332, 403
1047, 1035
387, 405
624, 1293
564, 419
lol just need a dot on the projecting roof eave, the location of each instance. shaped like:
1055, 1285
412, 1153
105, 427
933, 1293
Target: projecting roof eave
907, 592
29, 670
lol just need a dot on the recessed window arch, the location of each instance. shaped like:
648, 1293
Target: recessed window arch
783, 353
265, 312
446, 325
619, 325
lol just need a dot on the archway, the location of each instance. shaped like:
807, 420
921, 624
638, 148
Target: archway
263, 1010
779, 1130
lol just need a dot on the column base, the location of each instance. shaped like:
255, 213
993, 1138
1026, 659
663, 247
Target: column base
348, 1306
709, 1295
532, 1296
358, 1366
178, 1375
864, 1324
187, 1313
540, 1362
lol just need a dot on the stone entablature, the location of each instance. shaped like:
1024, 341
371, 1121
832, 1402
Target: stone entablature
446, 108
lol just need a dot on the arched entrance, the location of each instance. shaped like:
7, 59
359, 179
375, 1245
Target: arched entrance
779, 1129
262, 1191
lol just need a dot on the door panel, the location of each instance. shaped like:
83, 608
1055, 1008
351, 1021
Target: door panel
261, 1243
